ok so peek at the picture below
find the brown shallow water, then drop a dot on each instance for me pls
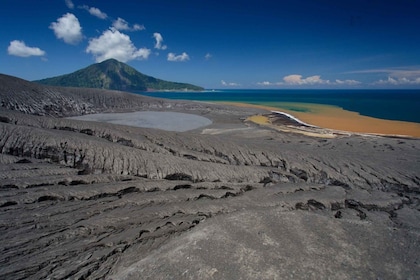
(333, 117)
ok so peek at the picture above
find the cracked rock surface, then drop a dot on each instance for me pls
(87, 200)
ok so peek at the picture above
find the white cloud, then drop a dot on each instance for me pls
(395, 76)
(398, 81)
(267, 83)
(19, 48)
(230, 84)
(94, 12)
(69, 4)
(159, 39)
(137, 27)
(121, 24)
(347, 82)
(68, 29)
(298, 80)
(389, 81)
(208, 56)
(182, 57)
(114, 44)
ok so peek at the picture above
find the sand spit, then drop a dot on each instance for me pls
(340, 120)
(293, 118)
(169, 121)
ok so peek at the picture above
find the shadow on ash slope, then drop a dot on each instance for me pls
(85, 200)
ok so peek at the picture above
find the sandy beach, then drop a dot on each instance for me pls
(332, 117)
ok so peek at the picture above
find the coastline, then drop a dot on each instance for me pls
(130, 201)
(336, 118)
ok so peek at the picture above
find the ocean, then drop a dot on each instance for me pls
(402, 105)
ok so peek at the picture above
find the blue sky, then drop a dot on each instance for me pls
(220, 44)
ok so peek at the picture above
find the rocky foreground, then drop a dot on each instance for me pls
(88, 200)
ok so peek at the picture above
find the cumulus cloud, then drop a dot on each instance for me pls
(68, 29)
(159, 39)
(121, 24)
(182, 57)
(299, 80)
(230, 84)
(94, 12)
(19, 48)
(114, 44)
(208, 56)
(69, 4)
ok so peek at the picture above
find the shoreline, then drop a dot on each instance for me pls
(293, 118)
(336, 118)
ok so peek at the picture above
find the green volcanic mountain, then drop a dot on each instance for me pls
(112, 74)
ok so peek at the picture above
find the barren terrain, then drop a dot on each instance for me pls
(230, 200)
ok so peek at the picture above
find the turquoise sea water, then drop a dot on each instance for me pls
(403, 105)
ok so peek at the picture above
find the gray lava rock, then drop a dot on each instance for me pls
(85, 200)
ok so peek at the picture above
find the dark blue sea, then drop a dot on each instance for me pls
(403, 105)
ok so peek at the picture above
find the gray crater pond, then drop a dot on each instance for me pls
(169, 121)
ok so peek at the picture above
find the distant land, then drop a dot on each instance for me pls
(115, 75)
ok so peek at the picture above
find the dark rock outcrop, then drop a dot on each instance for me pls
(36, 99)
